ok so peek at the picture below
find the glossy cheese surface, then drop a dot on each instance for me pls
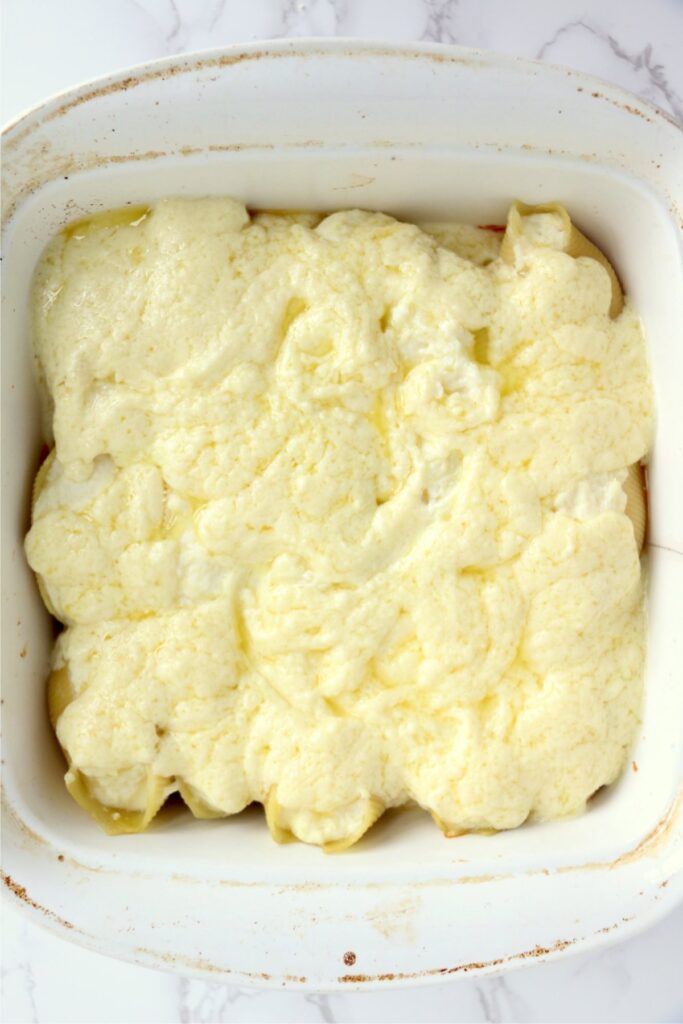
(335, 517)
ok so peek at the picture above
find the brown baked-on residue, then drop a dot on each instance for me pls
(21, 894)
(477, 965)
(349, 958)
(653, 840)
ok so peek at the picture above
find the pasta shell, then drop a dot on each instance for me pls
(118, 821)
(373, 810)
(38, 485)
(113, 820)
(636, 502)
(576, 244)
(199, 807)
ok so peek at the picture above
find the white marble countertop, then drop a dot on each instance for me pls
(49, 45)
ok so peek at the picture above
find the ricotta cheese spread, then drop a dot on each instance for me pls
(334, 517)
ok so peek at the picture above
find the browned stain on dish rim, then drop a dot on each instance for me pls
(69, 165)
(475, 965)
(200, 964)
(21, 894)
(191, 65)
(479, 965)
(647, 846)
(197, 64)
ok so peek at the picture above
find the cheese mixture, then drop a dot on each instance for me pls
(335, 517)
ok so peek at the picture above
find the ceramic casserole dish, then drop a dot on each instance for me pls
(425, 133)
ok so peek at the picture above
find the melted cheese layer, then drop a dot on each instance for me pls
(335, 518)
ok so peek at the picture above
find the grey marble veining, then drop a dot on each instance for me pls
(656, 86)
(632, 43)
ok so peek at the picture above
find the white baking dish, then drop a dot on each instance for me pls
(427, 132)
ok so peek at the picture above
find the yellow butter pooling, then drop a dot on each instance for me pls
(336, 517)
